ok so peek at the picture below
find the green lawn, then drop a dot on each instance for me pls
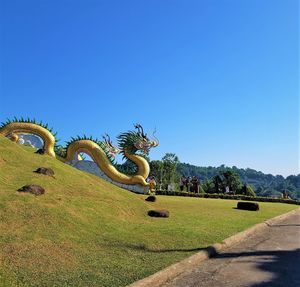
(87, 232)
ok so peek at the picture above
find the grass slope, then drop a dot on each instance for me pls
(87, 232)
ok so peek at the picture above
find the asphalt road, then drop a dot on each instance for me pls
(269, 258)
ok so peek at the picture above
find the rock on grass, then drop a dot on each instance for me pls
(245, 205)
(32, 188)
(45, 171)
(40, 151)
(158, 213)
(151, 198)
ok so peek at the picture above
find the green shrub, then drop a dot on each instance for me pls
(250, 191)
(201, 190)
(227, 196)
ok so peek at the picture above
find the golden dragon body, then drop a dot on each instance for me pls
(100, 152)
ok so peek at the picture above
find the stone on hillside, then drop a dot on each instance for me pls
(32, 188)
(151, 198)
(158, 213)
(40, 151)
(245, 205)
(45, 171)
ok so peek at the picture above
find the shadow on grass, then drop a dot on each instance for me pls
(243, 209)
(142, 247)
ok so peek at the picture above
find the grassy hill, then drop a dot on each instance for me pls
(86, 232)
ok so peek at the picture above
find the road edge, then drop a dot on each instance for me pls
(161, 277)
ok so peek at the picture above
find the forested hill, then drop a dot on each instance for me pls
(263, 184)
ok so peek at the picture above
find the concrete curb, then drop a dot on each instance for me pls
(172, 271)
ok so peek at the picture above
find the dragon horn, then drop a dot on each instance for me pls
(140, 130)
(108, 137)
(138, 127)
(143, 134)
(155, 139)
(109, 140)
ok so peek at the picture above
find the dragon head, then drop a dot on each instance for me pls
(132, 141)
(110, 148)
(144, 143)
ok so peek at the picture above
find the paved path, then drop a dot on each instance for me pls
(270, 258)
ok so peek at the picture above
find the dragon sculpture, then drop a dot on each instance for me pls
(102, 152)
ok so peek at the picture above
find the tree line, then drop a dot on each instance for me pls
(220, 179)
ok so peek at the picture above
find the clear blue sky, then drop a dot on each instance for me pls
(218, 79)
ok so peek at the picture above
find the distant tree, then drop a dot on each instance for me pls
(232, 180)
(246, 190)
(250, 191)
(156, 169)
(201, 190)
(208, 186)
(294, 180)
(169, 162)
(226, 178)
(262, 184)
(60, 150)
(217, 181)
